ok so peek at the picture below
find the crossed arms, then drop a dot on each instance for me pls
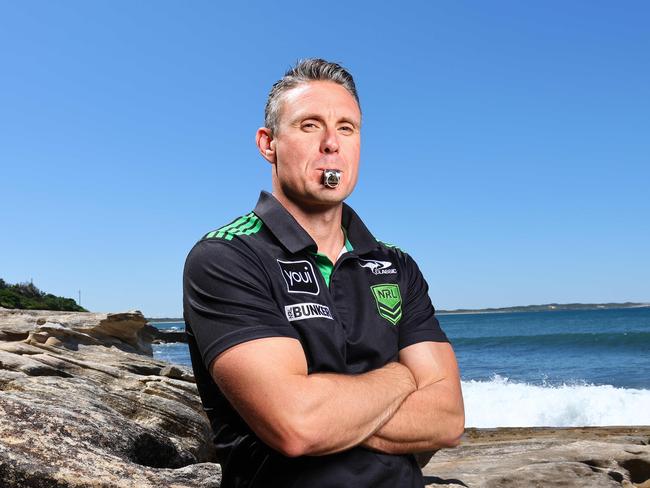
(414, 405)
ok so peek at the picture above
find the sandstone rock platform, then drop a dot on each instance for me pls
(589, 457)
(83, 404)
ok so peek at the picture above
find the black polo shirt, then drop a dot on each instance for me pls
(261, 276)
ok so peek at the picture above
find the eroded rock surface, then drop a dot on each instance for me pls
(591, 457)
(83, 404)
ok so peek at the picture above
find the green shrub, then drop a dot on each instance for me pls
(28, 297)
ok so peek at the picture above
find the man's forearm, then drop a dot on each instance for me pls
(297, 413)
(340, 411)
(429, 419)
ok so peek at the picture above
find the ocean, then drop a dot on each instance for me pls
(533, 369)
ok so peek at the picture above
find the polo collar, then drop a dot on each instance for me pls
(294, 238)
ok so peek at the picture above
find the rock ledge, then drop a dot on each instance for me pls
(83, 404)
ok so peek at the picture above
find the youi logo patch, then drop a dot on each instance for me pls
(299, 277)
(378, 267)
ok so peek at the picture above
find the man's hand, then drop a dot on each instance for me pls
(431, 417)
(266, 381)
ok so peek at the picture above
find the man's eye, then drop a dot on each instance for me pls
(346, 129)
(309, 125)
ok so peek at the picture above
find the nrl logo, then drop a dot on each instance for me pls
(378, 267)
(389, 301)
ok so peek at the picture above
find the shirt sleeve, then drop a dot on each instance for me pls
(227, 299)
(418, 323)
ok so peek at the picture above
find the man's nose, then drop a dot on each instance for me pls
(330, 142)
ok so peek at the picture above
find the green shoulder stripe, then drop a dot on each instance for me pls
(391, 246)
(246, 225)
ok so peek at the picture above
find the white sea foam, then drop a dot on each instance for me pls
(502, 403)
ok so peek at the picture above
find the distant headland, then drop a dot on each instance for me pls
(548, 307)
(27, 296)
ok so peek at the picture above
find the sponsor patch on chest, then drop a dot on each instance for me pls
(299, 277)
(301, 311)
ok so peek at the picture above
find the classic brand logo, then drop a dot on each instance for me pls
(389, 301)
(299, 277)
(378, 267)
(301, 311)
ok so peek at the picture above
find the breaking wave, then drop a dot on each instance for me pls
(503, 403)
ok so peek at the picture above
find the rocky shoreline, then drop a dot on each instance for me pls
(84, 404)
(589, 457)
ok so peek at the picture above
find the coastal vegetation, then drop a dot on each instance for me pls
(28, 297)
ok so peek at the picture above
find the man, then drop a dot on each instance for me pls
(315, 348)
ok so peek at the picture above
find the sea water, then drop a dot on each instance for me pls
(555, 368)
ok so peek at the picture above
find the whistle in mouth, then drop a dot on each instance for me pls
(331, 178)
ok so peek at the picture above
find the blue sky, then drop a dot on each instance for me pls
(506, 145)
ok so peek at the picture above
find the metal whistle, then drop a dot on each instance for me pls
(331, 178)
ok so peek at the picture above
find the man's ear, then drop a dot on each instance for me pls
(265, 144)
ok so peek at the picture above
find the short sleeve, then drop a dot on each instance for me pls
(418, 322)
(227, 299)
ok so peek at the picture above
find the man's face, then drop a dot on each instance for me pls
(318, 129)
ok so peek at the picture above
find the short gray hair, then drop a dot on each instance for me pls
(305, 70)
